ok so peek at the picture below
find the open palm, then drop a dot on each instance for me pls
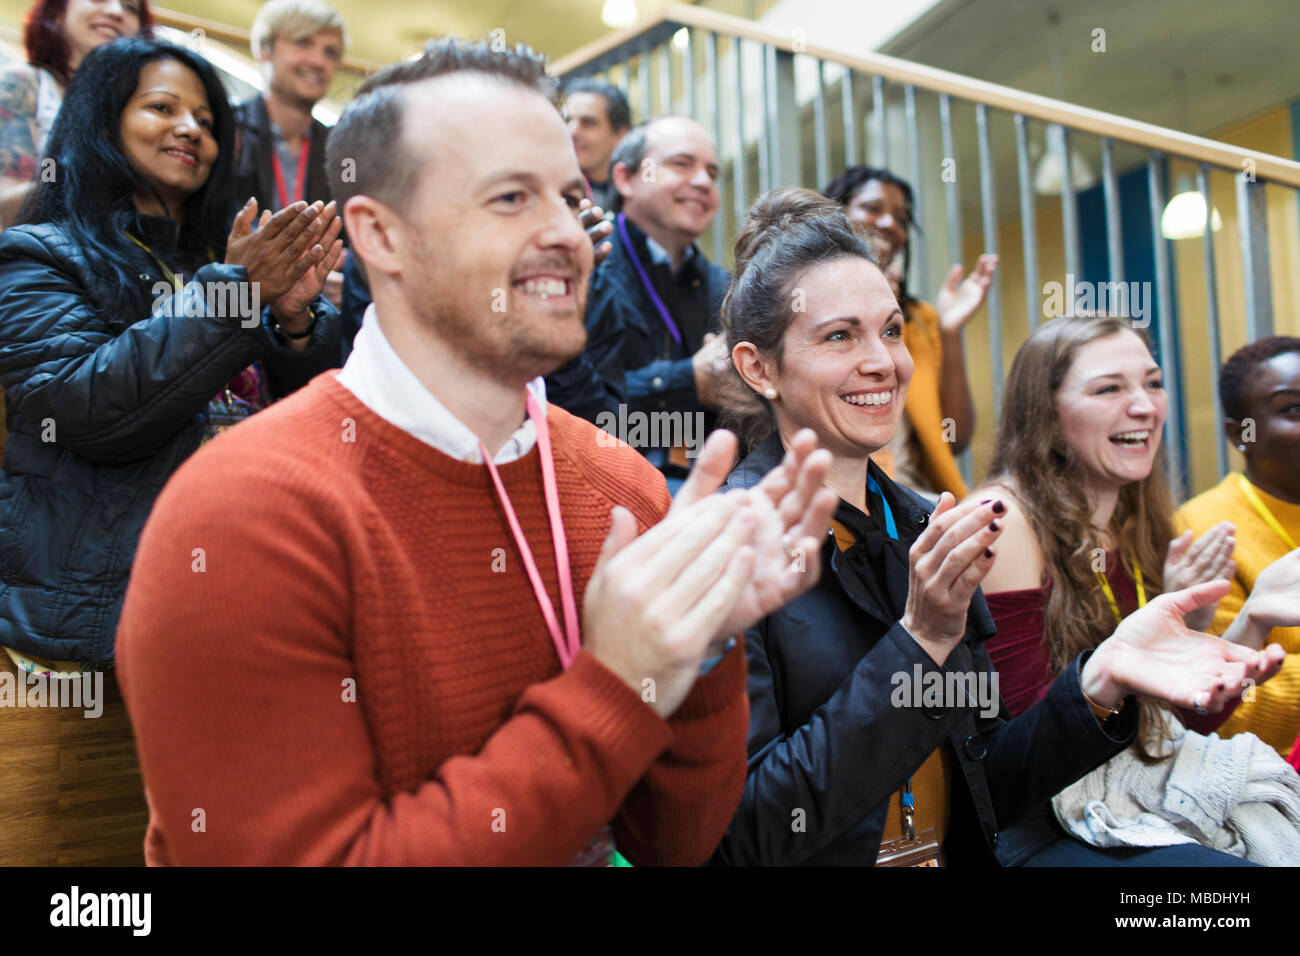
(1153, 652)
(960, 299)
(793, 512)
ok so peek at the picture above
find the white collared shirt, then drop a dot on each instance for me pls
(376, 375)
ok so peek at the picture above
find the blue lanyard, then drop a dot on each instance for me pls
(645, 281)
(891, 528)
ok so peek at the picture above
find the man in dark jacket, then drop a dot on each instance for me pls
(655, 301)
(281, 147)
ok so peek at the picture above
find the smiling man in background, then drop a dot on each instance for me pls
(281, 147)
(657, 297)
(598, 118)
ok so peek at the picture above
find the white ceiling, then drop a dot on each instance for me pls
(1238, 57)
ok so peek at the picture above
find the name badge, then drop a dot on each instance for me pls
(923, 850)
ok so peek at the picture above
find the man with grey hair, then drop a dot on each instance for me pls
(280, 157)
(653, 314)
(440, 621)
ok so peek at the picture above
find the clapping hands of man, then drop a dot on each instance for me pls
(660, 604)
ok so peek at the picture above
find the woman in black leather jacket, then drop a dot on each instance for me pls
(135, 321)
(874, 708)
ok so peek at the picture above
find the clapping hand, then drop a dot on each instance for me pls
(1193, 560)
(947, 563)
(280, 250)
(1274, 601)
(958, 300)
(1154, 652)
(591, 218)
(792, 513)
(658, 605)
(291, 308)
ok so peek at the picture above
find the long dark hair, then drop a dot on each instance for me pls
(847, 185)
(43, 34)
(788, 232)
(91, 192)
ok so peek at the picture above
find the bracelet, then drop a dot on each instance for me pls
(1103, 714)
(297, 336)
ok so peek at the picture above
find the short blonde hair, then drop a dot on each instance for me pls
(293, 19)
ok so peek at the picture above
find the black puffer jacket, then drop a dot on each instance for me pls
(101, 410)
(825, 736)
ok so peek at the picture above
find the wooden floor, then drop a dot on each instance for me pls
(70, 789)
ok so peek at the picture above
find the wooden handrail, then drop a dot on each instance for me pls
(239, 38)
(1146, 135)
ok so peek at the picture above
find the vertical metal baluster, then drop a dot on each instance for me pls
(786, 167)
(1028, 223)
(879, 148)
(914, 151)
(714, 86)
(951, 190)
(850, 120)
(1114, 227)
(1212, 320)
(741, 198)
(1165, 318)
(765, 147)
(988, 202)
(643, 81)
(1252, 222)
(952, 202)
(666, 78)
(769, 121)
(1069, 208)
(688, 80)
(821, 161)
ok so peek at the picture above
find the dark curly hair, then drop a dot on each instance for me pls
(847, 184)
(1237, 370)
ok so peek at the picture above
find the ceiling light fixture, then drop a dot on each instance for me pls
(1184, 216)
(617, 14)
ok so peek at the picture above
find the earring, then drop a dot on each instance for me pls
(770, 393)
(1241, 448)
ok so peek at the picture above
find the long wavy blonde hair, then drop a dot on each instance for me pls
(1034, 459)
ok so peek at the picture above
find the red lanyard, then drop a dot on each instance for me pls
(568, 642)
(301, 176)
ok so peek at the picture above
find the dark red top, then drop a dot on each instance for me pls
(1020, 653)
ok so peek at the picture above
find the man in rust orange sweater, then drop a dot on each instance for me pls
(416, 615)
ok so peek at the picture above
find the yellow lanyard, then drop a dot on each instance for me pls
(171, 276)
(1249, 490)
(1110, 595)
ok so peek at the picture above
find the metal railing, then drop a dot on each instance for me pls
(768, 101)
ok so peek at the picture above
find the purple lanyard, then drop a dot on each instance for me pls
(645, 281)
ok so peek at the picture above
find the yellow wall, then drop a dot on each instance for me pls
(1270, 133)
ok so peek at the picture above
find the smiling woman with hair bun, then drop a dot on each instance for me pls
(877, 735)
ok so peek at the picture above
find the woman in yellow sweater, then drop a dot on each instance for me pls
(1260, 389)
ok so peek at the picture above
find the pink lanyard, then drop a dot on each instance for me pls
(299, 177)
(568, 642)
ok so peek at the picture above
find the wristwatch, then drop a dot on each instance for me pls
(296, 336)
